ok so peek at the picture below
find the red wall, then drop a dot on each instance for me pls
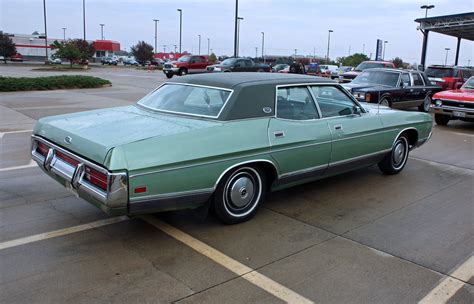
(106, 45)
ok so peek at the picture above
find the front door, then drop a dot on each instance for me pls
(357, 136)
(300, 141)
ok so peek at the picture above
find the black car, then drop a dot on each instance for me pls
(239, 65)
(393, 88)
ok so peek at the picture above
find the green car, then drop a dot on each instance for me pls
(223, 140)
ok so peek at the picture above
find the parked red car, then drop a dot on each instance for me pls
(448, 77)
(186, 65)
(17, 57)
(455, 104)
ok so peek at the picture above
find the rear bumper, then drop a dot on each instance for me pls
(113, 201)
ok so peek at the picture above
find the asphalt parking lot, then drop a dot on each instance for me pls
(361, 237)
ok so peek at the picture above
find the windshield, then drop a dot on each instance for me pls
(187, 99)
(229, 61)
(469, 84)
(369, 65)
(184, 59)
(439, 72)
(377, 77)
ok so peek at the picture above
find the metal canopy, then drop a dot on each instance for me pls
(459, 25)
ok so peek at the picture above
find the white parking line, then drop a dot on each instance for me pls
(61, 232)
(13, 132)
(449, 285)
(247, 273)
(31, 164)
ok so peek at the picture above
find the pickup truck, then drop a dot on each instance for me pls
(239, 65)
(186, 65)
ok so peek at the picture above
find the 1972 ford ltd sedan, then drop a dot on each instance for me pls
(225, 139)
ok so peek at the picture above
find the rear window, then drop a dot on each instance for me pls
(187, 99)
(439, 72)
(369, 65)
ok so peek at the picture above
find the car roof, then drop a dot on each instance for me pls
(393, 70)
(231, 80)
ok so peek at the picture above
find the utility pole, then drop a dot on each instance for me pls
(263, 45)
(236, 51)
(180, 27)
(295, 52)
(164, 48)
(314, 52)
(175, 48)
(349, 50)
(102, 31)
(208, 46)
(329, 41)
(256, 52)
(64, 33)
(199, 49)
(84, 17)
(238, 34)
(45, 32)
(156, 34)
(384, 47)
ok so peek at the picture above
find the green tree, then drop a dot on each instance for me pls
(7, 47)
(398, 62)
(142, 52)
(74, 50)
(352, 60)
(212, 57)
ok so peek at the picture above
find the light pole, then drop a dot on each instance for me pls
(384, 47)
(199, 48)
(102, 31)
(263, 45)
(84, 17)
(446, 59)
(180, 27)
(208, 46)
(296, 50)
(45, 32)
(164, 48)
(329, 41)
(236, 41)
(175, 48)
(156, 34)
(256, 52)
(238, 35)
(426, 8)
(349, 50)
(64, 33)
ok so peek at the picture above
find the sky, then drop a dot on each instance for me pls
(288, 25)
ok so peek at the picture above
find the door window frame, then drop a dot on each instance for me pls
(313, 98)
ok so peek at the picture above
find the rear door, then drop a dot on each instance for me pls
(357, 137)
(419, 89)
(300, 141)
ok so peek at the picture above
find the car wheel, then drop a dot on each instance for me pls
(182, 72)
(260, 70)
(425, 106)
(385, 102)
(169, 75)
(441, 119)
(239, 194)
(395, 161)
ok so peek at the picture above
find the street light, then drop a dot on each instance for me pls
(329, 41)
(199, 49)
(180, 27)
(175, 48)
(446, 59)
(156, 34)
(256, 52)
(236, 29)
(263, 45)
(426, 8)
(238, 35)
(102, 31)
(64, 33)
(84, 17)
(45, 32)
(208, 46)
(384, 47)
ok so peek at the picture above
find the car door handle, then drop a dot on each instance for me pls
(279, 134)
(337, 127)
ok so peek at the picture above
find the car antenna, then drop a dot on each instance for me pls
(378, 104)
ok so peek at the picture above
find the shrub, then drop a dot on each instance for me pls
(9, 84)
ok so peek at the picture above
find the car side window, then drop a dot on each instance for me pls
(239, 63)
(405, 80)
(248, 63)
(196, 60)
(417, 79)
(333, 102)
(295, 103)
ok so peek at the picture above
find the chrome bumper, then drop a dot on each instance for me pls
(172, 70)
(72, 177)
(448, 110)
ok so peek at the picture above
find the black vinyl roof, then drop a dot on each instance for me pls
(458, 25)
(230, 80)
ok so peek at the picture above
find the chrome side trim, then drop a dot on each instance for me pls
(302, 171)
(349, 160)
(364, 135)
(171, 195)
(399, 133)
(189, 114)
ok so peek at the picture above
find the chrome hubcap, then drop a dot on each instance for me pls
(427, 103)
(398, 153)
(242, 192)
(384, 103)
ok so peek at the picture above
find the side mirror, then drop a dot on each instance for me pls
(357, 110)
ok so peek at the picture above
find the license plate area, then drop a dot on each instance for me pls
(459, 114)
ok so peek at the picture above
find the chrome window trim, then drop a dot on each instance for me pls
(189, 114)
(299, 86)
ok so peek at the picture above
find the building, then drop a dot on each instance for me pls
(33, 47)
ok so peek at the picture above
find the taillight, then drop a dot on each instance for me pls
(42, 149)
(367, 97)
(67, 159)
(96, 178)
